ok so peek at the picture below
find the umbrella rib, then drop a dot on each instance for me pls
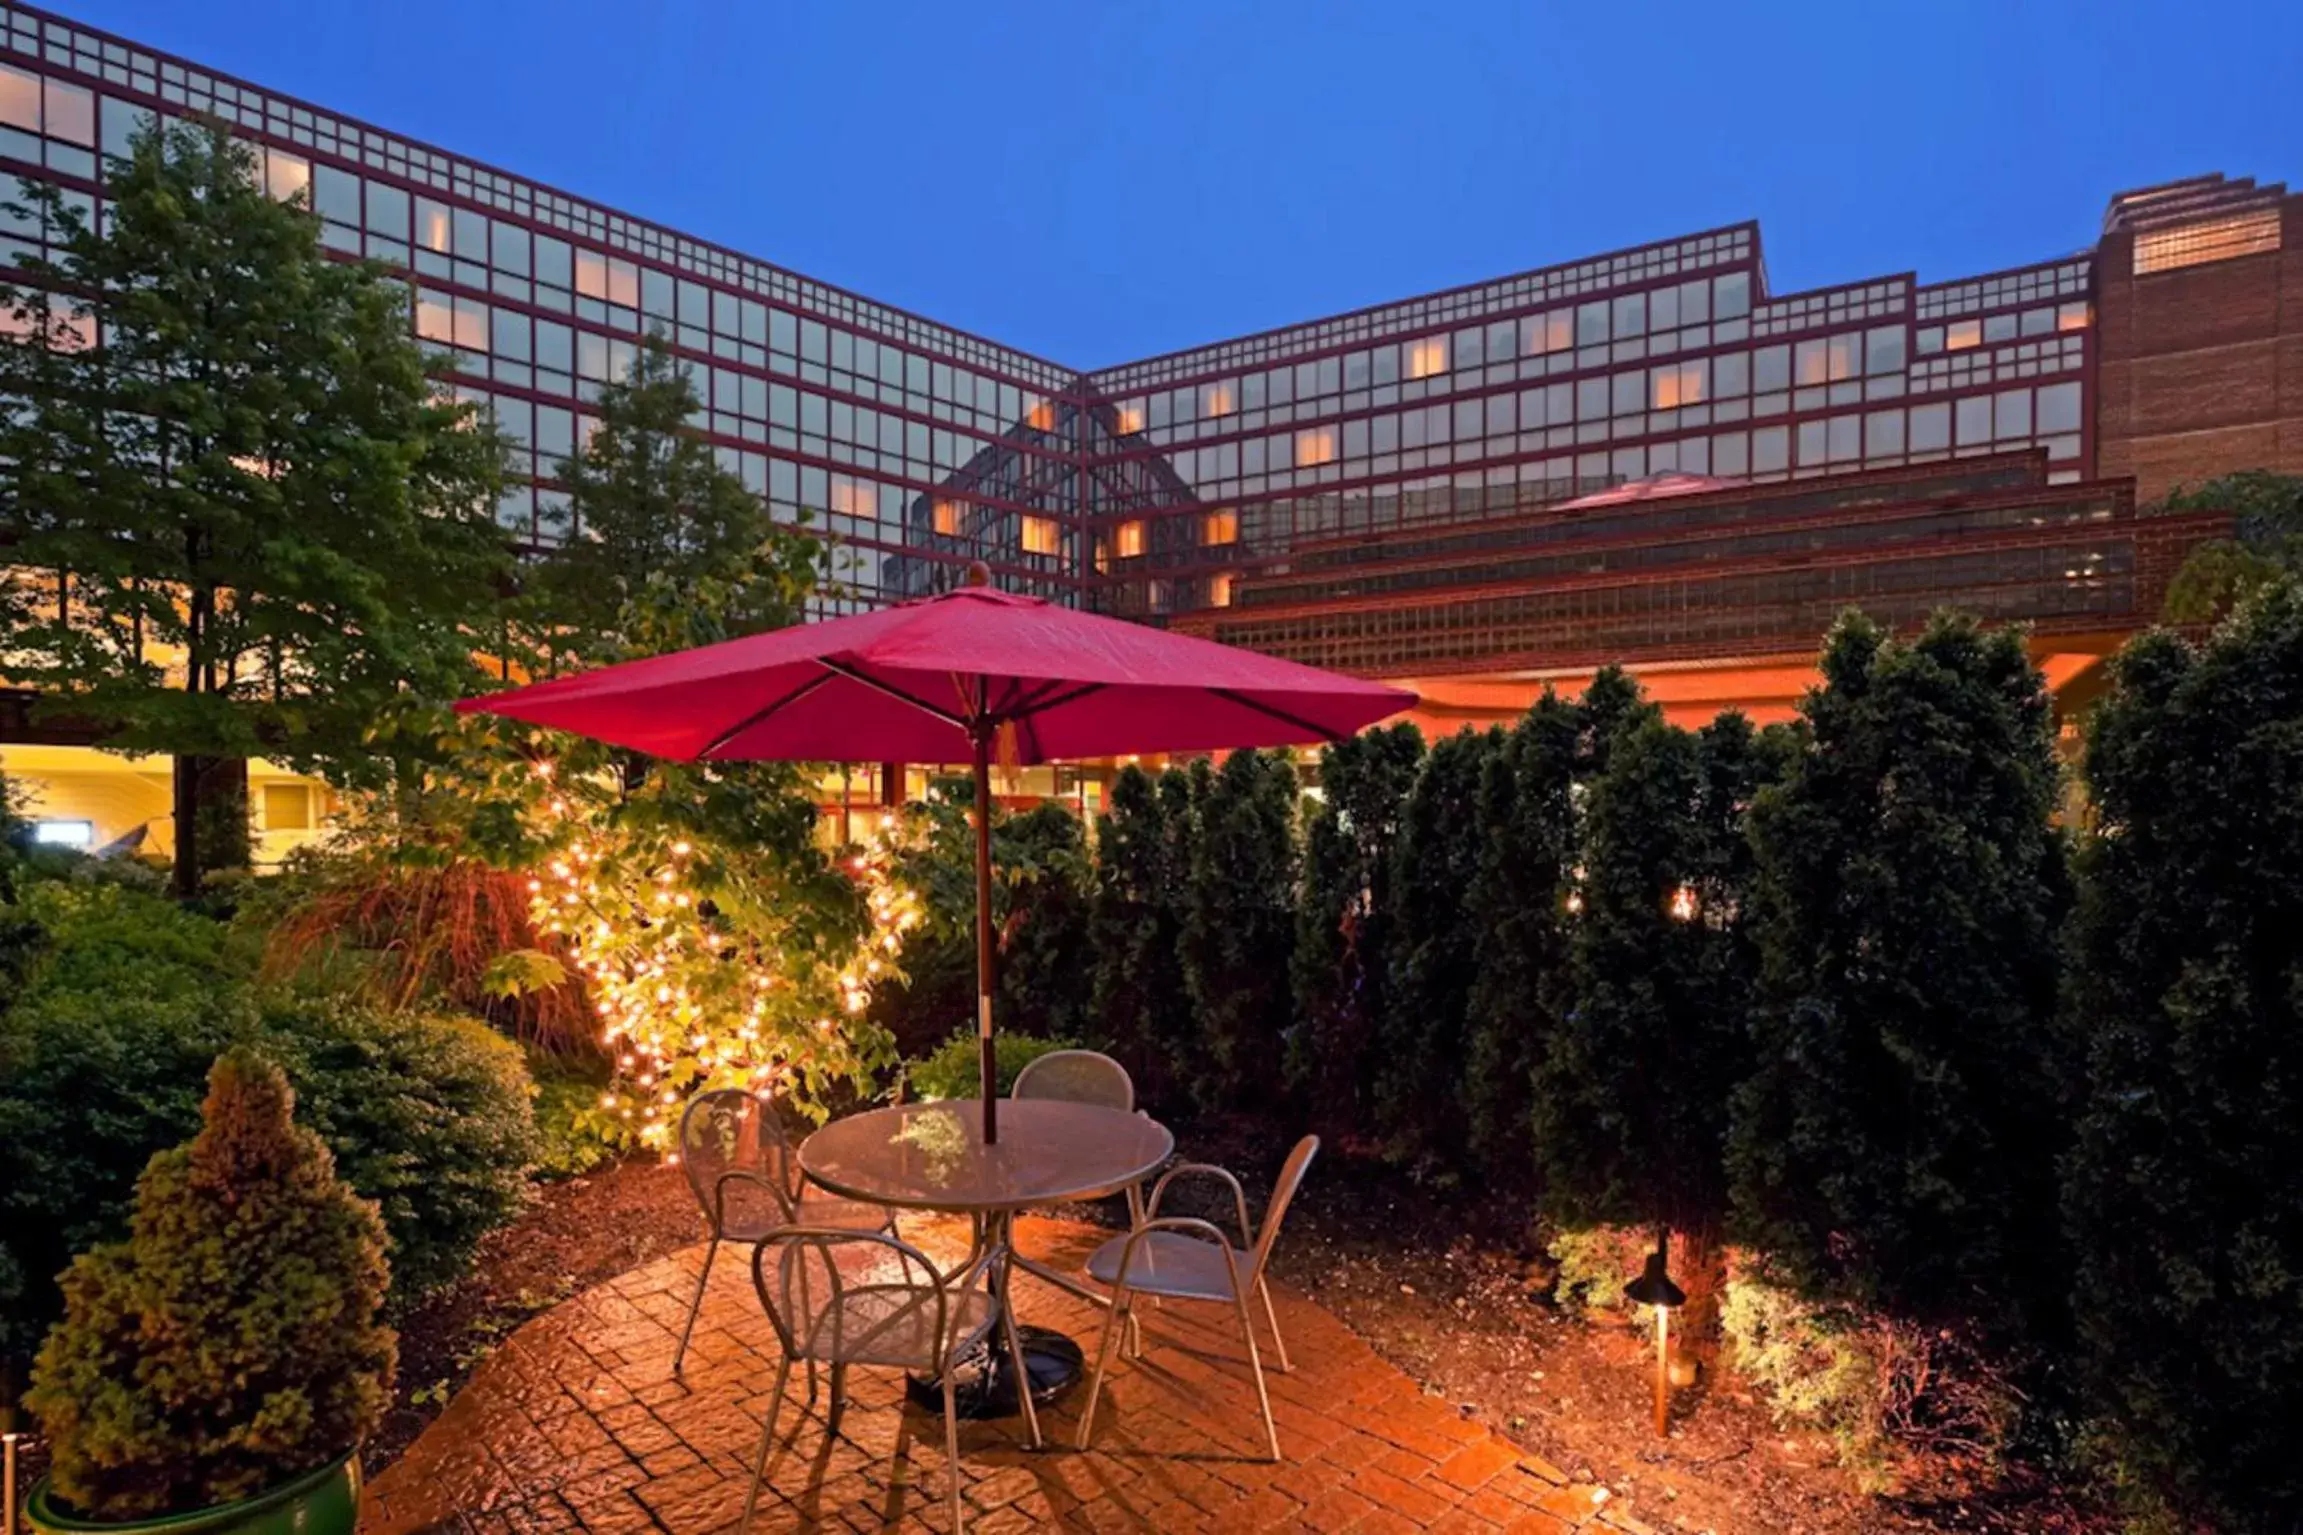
(1038, 702)
(759, 714)
(865, 679)
(1281, 715)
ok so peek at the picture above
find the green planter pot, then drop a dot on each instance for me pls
(325, 1503)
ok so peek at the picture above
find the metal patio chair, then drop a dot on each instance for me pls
(745, 1175)
(889, 1307)
(1083, 1076)
(1184, 1258)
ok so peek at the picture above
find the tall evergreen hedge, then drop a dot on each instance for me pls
(1632, 1085)
(1342, 973)
(1138, 1006)
(2184, 1194)
(1238, 929)
(1516, 909)
(1421, 1036)
(1896, 1142)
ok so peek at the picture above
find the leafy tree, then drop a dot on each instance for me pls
(651, 510)
(1896, 1142)
(1138, 1008)
(232, 1342)
(2266, 542)
(716, 942)
(1632, 1085)
(1434, 965)
(1239, 926)
(260, 525)
(1040, 921)
(1342, 959)
(2181, 1197)
(1516, 910)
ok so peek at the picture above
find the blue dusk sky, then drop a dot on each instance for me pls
(1098, 182)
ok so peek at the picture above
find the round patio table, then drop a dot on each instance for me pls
(932, 1156)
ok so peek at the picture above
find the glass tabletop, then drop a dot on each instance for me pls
(932, 1156)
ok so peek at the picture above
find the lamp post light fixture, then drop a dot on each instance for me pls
(1654, 1288)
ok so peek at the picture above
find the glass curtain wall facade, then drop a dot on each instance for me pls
(533, 299)
(1671, 358)
(1153, 488)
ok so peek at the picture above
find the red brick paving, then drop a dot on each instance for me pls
(577, 1424)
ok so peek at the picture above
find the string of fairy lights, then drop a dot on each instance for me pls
(643, 944)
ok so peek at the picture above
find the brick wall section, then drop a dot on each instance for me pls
(2200, 369)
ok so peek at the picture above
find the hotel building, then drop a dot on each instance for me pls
(1475, 491)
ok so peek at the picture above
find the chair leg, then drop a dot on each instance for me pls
(1255, 1363)
(696, 1306)
(1135, 1331)
(767, 1438)
(1015, 1344)
(1122, 1301)
(1272, 1317)
(839, 1398)
(952, 1449)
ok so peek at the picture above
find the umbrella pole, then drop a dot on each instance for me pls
(990, 1075)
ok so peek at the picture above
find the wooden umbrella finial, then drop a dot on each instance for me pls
(978, 574)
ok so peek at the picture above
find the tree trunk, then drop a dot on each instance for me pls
(211, 811)
(185, 798)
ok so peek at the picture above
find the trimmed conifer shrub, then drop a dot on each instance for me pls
(1517, 911)
(1896, 1141)
(1137, 1006)
(1343, 929)
(1239, 927)
(2182, 1194)
(1632, 1087)
(231, 1343)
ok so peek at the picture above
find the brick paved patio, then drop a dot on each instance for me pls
(577, 1423)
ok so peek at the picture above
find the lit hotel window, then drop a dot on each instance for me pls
(854, 498)
(1041, 417)
(1128, 540)
(1216, 399)
(1675, 387)
(285, 174)
(1963, 334)
(1219, 589)
(2240, 234)
(432, 226)
(2073, 316)
(64, 833)
(288, 807)
(1128, 419)
(947, 517)
(1426, 357)
(1542, 333)
(605, 277)
(1039, 535)
(1220, 527)
(1314, 445)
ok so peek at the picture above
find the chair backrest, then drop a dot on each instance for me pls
(1282, 1195)
(730, 1130)
(871, 1310)
(1076, 1076)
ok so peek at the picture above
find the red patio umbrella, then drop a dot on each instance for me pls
(972, 673)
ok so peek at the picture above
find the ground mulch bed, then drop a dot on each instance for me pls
(1452, 1294)
(578, 1233)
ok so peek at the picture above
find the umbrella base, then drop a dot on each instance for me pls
(984, 1384)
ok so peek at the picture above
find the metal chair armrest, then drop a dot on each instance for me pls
(1206, 1170)
(758, 1180)
(1189, 1224)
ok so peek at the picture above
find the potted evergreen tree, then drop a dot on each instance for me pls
(215, 1373)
